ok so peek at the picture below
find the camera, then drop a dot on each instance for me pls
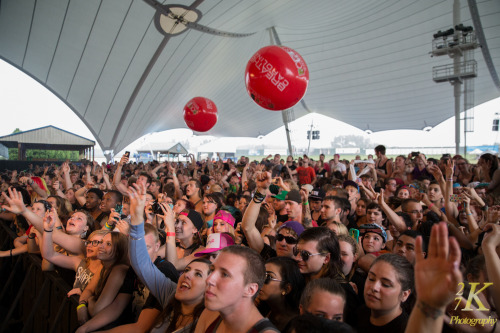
(156, 208)
(415, 153)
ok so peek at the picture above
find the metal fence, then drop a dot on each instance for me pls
(32, 300)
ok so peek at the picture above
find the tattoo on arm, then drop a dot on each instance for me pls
(429, 311)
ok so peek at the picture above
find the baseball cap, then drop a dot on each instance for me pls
(224, 216)
(294, 195)
(215, 242)
(375, 228)
(350, 183)
(195, 218)
(280, 196)
(317, 194)
(294, 225)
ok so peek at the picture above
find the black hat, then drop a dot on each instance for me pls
(317, 194)
(195, 218)
(294, 195)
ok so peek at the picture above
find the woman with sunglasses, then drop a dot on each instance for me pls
(107, 297)
(281, 290)
(182, 304)
(389, 284)
(85, 268)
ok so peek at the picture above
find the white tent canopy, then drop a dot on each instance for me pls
(369, 60)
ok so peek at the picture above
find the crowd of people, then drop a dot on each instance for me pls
(277, 245)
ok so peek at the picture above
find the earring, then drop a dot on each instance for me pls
(283, 293)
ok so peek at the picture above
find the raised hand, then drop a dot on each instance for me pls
(168, 217)
(49, 219)
(448, 169)
(438, 276)
(263, 180)
(14, 201)
(137, 195)
(123, 160)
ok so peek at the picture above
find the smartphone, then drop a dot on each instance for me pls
(454, 198)
(118, 209)
(127, 153)
(354, 233)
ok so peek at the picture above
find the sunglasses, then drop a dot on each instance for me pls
(288, 239)
(305, 255)
(269, 278)
(94, 242)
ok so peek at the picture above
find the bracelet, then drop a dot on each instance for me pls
(305, 203)
(59, 227)
(107, 226)
(83, 305)
(469, 214)
(258, 197)
(29, 236)
(449, 179)
(170, 234)
(47, 230)
(430, 206)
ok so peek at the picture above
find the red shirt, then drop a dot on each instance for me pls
(306, 175)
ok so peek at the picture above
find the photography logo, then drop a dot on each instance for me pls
(479, 306)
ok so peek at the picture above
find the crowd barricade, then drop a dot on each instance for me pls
(32, 300)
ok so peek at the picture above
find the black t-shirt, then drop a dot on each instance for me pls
(397, 325)
(268, 252)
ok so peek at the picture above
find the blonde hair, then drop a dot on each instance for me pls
(340, 228)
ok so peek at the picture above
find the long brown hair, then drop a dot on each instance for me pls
(173, 310)
(120, 257)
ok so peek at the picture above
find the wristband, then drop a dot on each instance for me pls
(47, 230)
(59, 227)
(305, 203)
(170, 234)
(431, 205)
(83, 305)
(107, 226)
(29, 236)
(258, 197)
(450, 179)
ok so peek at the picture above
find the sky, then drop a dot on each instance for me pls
(25, 104)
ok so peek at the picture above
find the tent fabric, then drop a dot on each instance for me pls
(369, 61)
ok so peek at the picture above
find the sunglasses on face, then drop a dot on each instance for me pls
(288, 239)
(269, 278)
(305, 255)
(94, 242)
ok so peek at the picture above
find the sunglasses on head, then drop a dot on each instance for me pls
(288, 239)
(269, 278)
(45, 204)
(305, 255)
